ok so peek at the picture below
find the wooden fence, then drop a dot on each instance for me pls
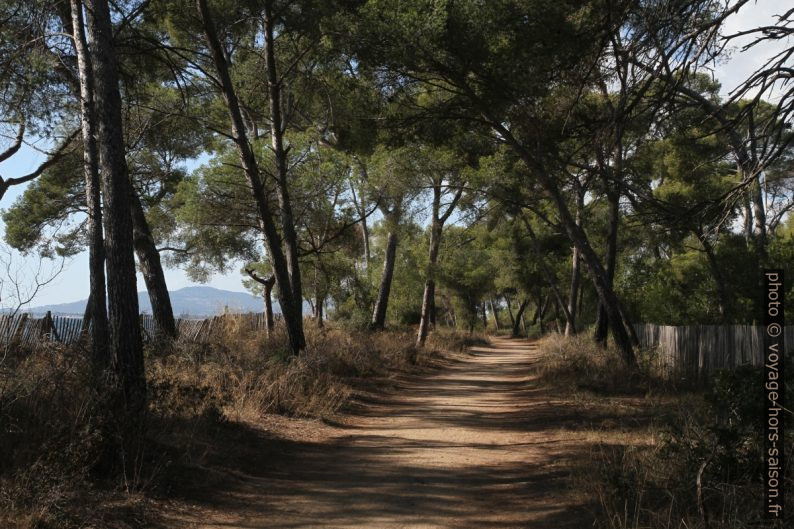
(24, 329)
(696, 350)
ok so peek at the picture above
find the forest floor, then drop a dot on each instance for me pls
(474, 441)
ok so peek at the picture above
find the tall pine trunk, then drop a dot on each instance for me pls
(291, 306)
(277, 130)
(437, 221)
(123, 318)
(96, 310)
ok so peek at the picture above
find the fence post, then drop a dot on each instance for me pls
(47, 327)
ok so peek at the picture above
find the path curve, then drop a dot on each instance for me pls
(475, 444)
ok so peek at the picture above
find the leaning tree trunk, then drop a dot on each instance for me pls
(277, 130)
(430, 284)
(519, 317)
(267, 291)
(125, 331)
(602, 320)
(509, 310)
(540, 313)
(723, 292)
(759, 218)
(360, 211)
(579, 238)
(747, 228)
(495, 314)
(427, 301)
(152, 271)
(290, 304)
(436, 228)
(96, 310)
(557, 315)
(381, 304)
(319, 301)
(570, 322)
(270, 323)
(548, 275)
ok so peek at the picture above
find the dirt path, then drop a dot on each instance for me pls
(474, 444)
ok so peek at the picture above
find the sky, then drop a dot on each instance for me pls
(71, 284)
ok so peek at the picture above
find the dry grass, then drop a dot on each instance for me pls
(53, 427)
(576, 363)
(53, 432)
(243, 375)
(642, 472)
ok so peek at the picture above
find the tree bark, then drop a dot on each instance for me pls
(123, 318)
(427, 296)
(270, 324)
(152, 271)
(96, 309)
(540, 314)
(495, 314)
(519, 315)
(570, 323)
(557, 315)
(277, 129)
(379, 314)
(759, 218)
(290, 304)
(723, 296)
(602, 320)
(267, 291)
(361, 211)
(509, 310)
(436, 226)
(430, 284)
(748, 218)
(318, 303)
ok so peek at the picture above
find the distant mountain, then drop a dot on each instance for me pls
(188, 301)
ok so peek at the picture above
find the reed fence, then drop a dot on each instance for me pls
(691, 350)
(24, 329)
(696, 350)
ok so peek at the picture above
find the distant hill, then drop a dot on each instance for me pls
(188, 301)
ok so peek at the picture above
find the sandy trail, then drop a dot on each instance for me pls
(474, 444)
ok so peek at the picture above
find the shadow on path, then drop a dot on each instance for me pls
(476, 443)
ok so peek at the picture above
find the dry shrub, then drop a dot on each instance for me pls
(578, 363)
(241, 374)
(445, 339)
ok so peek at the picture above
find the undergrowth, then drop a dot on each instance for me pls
(697, 464)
